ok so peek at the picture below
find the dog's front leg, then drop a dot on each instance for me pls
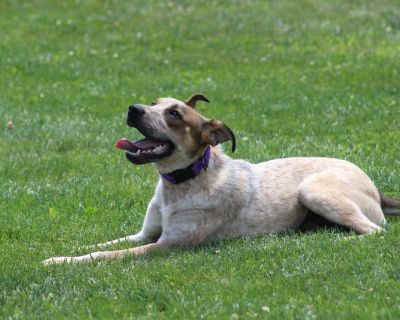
(151, 228)
(182, 229)
(190, 228)
(105, 255)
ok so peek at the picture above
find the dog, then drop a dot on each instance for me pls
(204, 195)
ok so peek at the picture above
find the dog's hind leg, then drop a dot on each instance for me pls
(151, 229)
(334, 198)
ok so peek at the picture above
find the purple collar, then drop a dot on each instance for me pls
(190, 172)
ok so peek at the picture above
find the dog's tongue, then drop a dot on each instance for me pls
(124, 144)
(128, 145)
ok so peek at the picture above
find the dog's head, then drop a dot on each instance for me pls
(175, 133)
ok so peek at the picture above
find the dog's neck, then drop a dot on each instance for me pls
(189, 172)
(178, 160)
(217, 160)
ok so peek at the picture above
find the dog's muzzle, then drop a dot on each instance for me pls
(150, 149)
(135, 113)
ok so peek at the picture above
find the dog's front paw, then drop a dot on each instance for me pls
(90, 246)
(57, 260)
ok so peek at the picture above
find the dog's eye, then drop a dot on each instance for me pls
(174, 114)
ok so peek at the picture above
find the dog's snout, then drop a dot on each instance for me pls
(134, 113)
(136, 109)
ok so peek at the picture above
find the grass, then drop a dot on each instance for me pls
(290, 78)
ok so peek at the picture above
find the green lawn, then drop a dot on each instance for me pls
(290, 78)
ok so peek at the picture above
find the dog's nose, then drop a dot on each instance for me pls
(135, 113)
(136, 110)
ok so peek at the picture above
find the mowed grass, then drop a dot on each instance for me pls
(291, 78)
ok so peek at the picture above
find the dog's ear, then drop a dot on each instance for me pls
(194, 98)
(215, 132)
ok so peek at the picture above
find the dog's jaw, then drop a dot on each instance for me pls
(145, 150)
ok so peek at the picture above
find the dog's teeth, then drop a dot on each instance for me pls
(149, 150)
(158, 148)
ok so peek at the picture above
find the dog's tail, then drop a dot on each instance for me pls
(390, 206)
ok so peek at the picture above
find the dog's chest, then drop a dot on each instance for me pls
(175, 202)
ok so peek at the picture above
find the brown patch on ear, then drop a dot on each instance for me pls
(215, 132)
(191, 102)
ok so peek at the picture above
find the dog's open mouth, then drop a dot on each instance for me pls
(145, 150)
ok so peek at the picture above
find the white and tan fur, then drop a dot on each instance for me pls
(235, 197)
